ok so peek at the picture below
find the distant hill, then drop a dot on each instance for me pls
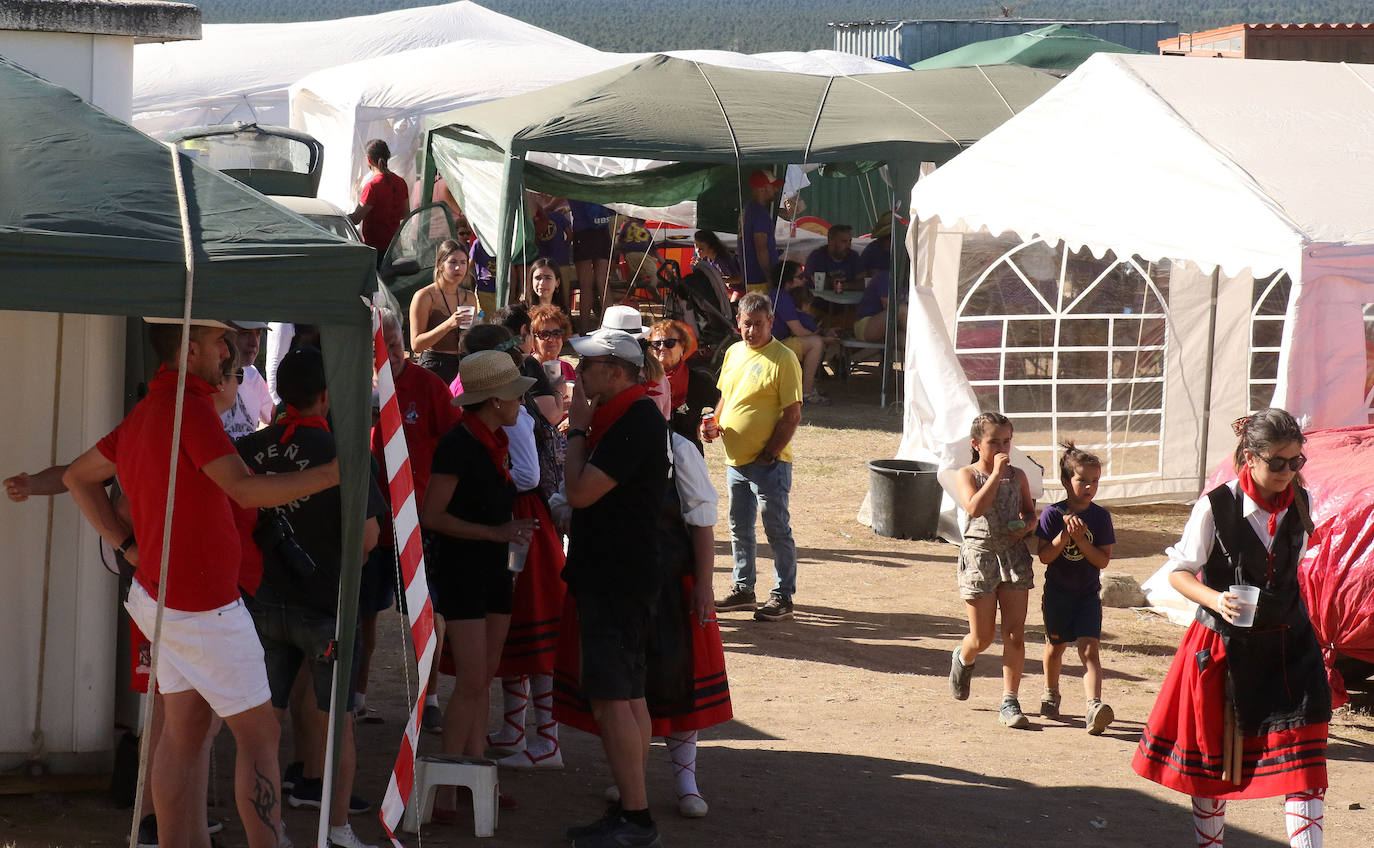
(756, 26)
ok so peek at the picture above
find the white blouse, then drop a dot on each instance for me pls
(1190, 553)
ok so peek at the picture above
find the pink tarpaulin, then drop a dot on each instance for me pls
(1337, 574)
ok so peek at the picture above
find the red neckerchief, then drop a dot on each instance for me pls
(166, 378)
(677, 381)
(1281, 501)
(608, 413)
(497, 444)
(291, 418)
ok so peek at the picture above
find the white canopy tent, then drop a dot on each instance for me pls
(241, 72)
(1154, 248)
(388, 97)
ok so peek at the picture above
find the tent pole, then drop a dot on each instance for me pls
(512, 173)
(427, 171)
(1207, 380)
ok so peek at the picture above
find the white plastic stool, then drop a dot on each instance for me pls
(476, 773)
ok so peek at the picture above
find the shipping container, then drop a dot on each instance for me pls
(912, 41)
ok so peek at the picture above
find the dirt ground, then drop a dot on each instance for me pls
(844, 730)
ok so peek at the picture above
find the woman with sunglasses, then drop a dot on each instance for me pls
(441, 312)
(672, 343)
(550, 327)
(1243, 711)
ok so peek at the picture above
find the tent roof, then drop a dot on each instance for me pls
(1231, 162)
(244, 60)
(89, 223)
(667, 108)
(1056, 46)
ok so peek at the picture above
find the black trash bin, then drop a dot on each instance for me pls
(905, 498)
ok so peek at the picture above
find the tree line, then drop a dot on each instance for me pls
(756, 26)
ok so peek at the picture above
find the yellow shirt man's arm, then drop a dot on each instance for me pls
(783, 432)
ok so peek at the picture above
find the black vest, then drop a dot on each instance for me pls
(1275, 675)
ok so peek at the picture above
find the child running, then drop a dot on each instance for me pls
(994, 566)
(1077, 546)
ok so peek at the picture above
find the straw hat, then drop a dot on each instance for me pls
(884, 226)
(490, 374)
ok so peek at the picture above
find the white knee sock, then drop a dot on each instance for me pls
(1303, 813)
(514, 699)
(682, 747)
(545, 742)
(1209, 821)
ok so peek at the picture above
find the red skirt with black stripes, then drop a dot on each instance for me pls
(537, 605)
(1181, 746)
(711, 688)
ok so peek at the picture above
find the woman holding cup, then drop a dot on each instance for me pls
(1244, 709)
(441, 312)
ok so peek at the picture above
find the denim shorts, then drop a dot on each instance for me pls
(293, 635)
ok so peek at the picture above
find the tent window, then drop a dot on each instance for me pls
(1068, 346)
(1269, 305)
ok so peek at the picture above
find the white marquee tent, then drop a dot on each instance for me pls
(1152, 249)
(241, 72)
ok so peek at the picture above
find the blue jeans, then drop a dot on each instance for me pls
(750, 486)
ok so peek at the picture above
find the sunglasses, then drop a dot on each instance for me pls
(587, 362)
(238, 375)
(545, 335)
(1277, 463)
(667, 344)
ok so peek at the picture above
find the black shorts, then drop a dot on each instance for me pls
(377, 583)
(1069, 616)
(590, 245)
(471, 588)
(293, 635)
(614, 631)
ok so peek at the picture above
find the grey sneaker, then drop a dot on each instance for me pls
(1049, 705)
(777, 608)
(960, 676)
(740, 598)
(1011, 714)
(621, 833)
(1099, 716)
(606, 822)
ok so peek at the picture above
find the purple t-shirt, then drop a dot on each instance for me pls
(786, 310)
(847, 270)
(483, 266)
(1071, 572)
(551, 235)
(872, 301)
(757, 219)
(876, 257)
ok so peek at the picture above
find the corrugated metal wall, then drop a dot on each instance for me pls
(912, 41)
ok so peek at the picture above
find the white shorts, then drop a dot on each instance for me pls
(215, 652)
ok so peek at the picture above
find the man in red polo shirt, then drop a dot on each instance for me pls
(210, 659)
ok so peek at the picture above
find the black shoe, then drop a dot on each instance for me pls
(308, 791)
(777, 608)
(739, 598)
(147, 831)
(293, 773)
(622, 833)
(608, 818)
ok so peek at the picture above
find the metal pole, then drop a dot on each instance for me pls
(1207, 380)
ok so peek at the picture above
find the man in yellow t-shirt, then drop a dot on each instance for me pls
(760, 407)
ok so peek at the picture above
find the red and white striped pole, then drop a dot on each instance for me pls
(406, 521)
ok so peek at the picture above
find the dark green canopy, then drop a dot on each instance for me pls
(684, 111)
(90, 222)
(1057, 46)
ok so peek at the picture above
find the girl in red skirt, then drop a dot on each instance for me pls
(1243, 711)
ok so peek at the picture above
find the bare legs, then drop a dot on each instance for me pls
(476, 648)
(982, 623)
(625, 731)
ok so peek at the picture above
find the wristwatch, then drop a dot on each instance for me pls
(765, 457)
(126, 544)
(576, 432)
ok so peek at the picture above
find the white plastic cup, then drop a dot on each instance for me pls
(553, 369)
(466, 315)
(1248, 598)
(818, 280)
(518, 551)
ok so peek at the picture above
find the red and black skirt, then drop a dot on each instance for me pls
(1184, 748)
(708, 701)
(537, 605)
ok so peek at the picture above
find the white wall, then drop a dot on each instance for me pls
(80, 656)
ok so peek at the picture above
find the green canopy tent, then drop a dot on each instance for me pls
(90, 222)
(1057, 46)
(703, 117)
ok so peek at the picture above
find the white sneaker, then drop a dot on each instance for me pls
(344, 837)
(692, 806)
(526, 760)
